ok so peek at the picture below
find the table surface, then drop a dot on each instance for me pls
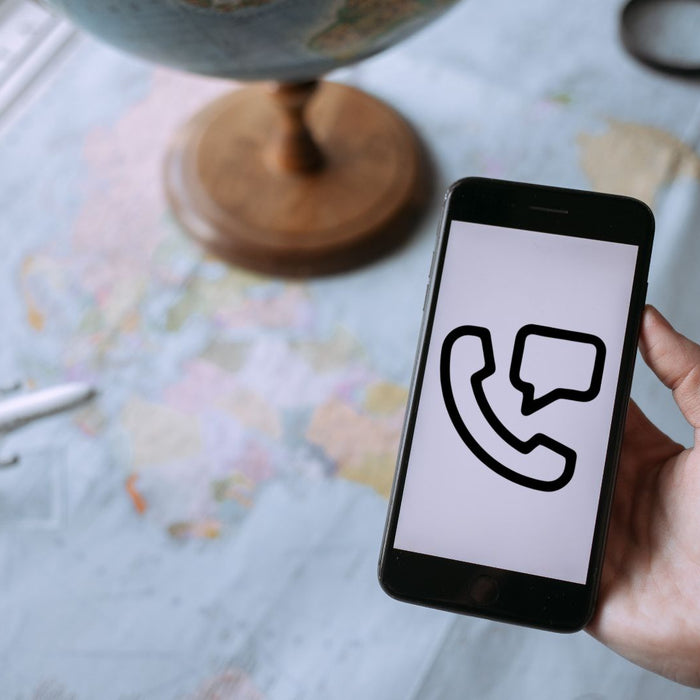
(209, 527)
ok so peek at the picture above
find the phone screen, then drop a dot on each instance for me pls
(516, 401)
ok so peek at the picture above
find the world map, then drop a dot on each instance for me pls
(205, 428)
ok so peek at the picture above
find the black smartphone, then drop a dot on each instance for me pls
(507, 463)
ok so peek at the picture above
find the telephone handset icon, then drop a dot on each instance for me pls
(530, 403)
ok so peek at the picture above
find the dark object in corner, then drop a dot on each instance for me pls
(663, 34)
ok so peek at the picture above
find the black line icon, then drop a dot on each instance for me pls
(529, 403)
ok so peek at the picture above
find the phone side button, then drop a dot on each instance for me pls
(484, 590)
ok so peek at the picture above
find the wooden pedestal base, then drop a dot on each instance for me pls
(248, 182)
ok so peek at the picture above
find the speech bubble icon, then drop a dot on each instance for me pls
(557, 364)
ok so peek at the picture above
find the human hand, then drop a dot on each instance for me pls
(649, 602)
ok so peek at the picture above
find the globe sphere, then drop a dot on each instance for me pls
(284, 40)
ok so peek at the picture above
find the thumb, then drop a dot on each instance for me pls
(675, 360)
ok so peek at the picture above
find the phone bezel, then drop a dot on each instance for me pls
(447, 584)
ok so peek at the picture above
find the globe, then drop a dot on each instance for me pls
(288, 40)
(288, 178)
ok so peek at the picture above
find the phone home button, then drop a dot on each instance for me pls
(484, 590)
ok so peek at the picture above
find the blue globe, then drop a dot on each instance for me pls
(284, 40)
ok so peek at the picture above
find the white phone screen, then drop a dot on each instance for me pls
(548, 312)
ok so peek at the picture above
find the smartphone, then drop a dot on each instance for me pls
(507, 462)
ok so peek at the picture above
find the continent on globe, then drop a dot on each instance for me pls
(359, 22)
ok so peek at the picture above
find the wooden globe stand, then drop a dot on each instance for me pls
(250, 183)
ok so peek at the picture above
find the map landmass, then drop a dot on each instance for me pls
(358, 23)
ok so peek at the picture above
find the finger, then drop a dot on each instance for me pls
(675, 360)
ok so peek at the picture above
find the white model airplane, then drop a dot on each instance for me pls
(19, 410)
